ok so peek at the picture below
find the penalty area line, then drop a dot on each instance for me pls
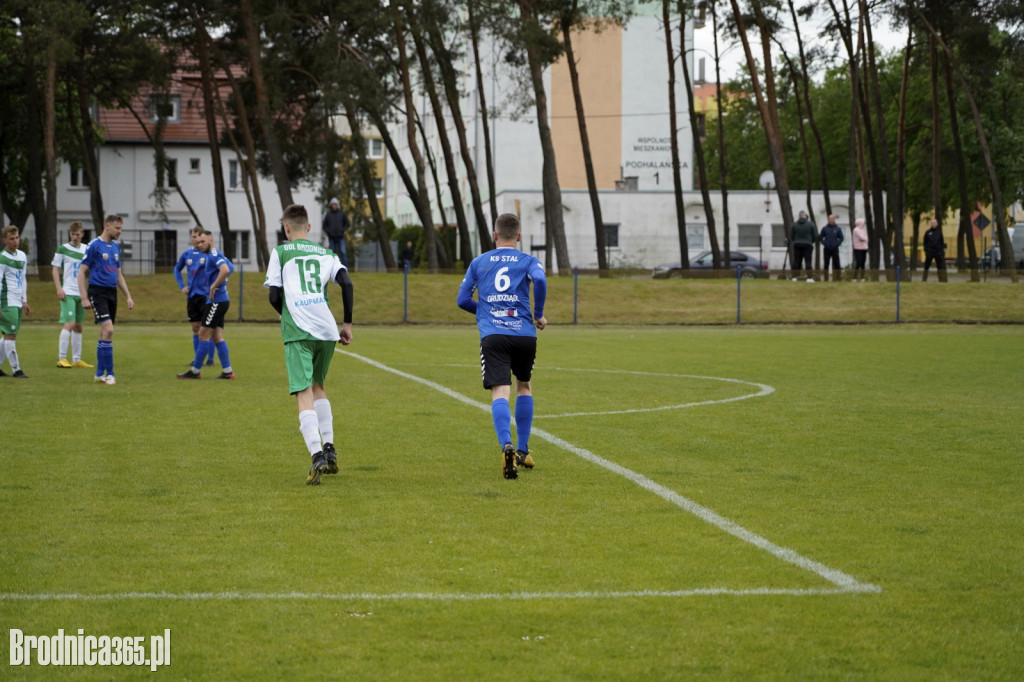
(845, 582)
(429, 596)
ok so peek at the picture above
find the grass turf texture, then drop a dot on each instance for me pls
(887, 453)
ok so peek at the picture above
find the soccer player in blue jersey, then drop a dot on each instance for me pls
(101, 269)
(508, 333)
(193, 262)
(217, 268)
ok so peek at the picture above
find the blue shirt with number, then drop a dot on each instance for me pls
(103, 260)
(502, 280)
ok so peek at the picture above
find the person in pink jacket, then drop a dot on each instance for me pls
(860, 249)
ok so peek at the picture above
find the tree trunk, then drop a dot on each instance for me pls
(966, 233)
(899, 200)
(252, 43)
(90, 158)
(446, 149)
(767, 105)
(936, 134)
(474, 35)
(366, 177)
(812, 122)
(423, 195)
(673, 124)
(444, 258)
(554, 225)
(588, 161)
(722, 166)
(46, 233)
(210, 92)
(449, 80)
(698, 146)
(998, 208)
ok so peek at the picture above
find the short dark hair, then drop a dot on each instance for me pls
(295, 213)
(507, 226)
(113, 218)
(76, 227)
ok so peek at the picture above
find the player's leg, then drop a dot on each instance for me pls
(76, 336)
(523, 357)
(298, 358)
(11, 347)
(496, 368)
(67, 311)
(322, 357)
(220, 344)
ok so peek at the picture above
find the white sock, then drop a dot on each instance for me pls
(325, 419)
(65, 339)
(310, 431)
(12, 355)
(3, 350)
(76, 346)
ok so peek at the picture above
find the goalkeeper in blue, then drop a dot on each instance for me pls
(508, 334)
(297, 277)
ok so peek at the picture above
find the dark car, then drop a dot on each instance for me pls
(749, 266)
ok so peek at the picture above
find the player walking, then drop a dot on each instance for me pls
(66, 261)
(508, 333)
(193, 262)
(297, 277)
(216, 270)
(101, 268)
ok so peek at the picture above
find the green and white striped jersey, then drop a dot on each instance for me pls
(13, 283)
(303, 270)
(68, 258)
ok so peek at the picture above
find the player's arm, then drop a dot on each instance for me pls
(56, 282)
(222, 274)
(83, 277)
(540, 294)
(178, 270)
(345, 282)
(465, 298)
(24, 296)
(123, 286)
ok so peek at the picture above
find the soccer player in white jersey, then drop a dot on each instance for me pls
(66, 261)
(508, 333)
(297, 277)
(13, 298)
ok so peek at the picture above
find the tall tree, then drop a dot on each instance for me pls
(673, 124)
(567, 21)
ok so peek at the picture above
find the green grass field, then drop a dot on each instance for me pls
(856, 515)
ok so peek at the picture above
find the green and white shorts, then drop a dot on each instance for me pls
(10, 319)
(71, 309)
(307, 363)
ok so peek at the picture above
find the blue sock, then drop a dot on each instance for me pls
(502, 421)
(105, 357)
(205, 348)
(222, 354)
(209, 356)
(195, 343)
(524, 421)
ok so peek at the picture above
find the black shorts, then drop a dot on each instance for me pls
(195, 308)
(213, 314)
(104, 303)
(501, 355)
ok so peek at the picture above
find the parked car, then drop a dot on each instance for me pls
(990, 259)
(749, 266)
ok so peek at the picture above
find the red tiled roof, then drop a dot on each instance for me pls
(121, 125)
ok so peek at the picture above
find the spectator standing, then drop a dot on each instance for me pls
(860, 249)
(335, 225)
(831, 238)
(801, 233)
(934, 250)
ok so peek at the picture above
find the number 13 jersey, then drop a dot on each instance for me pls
(302, 270)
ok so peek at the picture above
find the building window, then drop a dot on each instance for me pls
(77, 178)
(233, 181)
(695, 236)
(779, 235)
(169, 176)
(241, 245)
(375, 148)
(749, 237)
(166, 107)
(193, 165)
(611, 235)
(378, 189)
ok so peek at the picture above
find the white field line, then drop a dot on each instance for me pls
(418, 596)
(837, 578)
(844, 583)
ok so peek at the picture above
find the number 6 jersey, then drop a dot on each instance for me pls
(502, 279)
(302, 270)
